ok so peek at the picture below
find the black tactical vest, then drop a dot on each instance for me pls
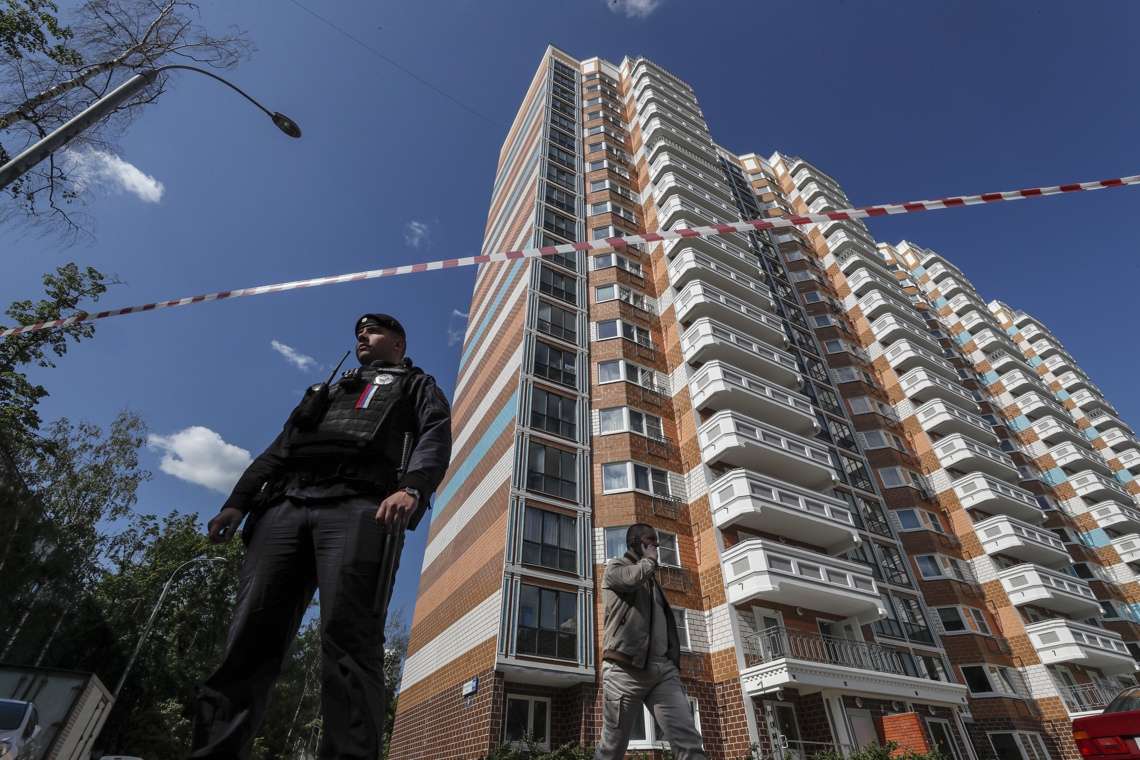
(369, 412)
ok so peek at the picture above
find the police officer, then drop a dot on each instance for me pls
(326, 506)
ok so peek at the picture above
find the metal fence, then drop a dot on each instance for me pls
(1086, 697)
(778, 642)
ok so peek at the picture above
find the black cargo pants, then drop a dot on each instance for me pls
(296, 548)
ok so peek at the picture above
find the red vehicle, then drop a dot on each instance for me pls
(1115, 733)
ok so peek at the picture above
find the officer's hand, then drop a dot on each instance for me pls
(649, 549)
(396, 510)
(224, 525)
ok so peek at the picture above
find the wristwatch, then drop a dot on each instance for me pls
(413, 492)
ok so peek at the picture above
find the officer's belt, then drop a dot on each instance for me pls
(313, 472)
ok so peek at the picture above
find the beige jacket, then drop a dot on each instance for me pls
(628, 588)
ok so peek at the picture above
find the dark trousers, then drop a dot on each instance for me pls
(295, 549)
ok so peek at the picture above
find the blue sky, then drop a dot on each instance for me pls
(897, 101)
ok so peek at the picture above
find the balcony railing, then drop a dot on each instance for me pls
(778, 642)
(1085, 697)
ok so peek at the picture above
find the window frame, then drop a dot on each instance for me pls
(528, 510)
(538, 627)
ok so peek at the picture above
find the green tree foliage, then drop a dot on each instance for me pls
(47, 84)
(31, 27)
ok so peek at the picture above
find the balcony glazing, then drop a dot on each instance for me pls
(921, 386)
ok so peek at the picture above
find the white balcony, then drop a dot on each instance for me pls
(1103, 420)
(718, 385)
(1087, 401)
(920, 386)
(942, 418)
(732, 439)
(1073, 458)
(1121, 518)
(1045, 348)
(720, 248)
(1129, 460)
(757, 502)
(890, 327)
(699, 300)
(905, 354)
(693, 265)
(1052, 430)
(759, 570)
(1003, 361)
(957, 452)
(707, 339)
(1093, 486)
(1128, 547)
(808, 663)
(1041, 587)
(877, 303)
(1035, 405)
(672, 184)
(991, 340)
(1118, 440)
(863, 280)
(1021, 540)
(1073, 382)
(663, 160)
(1019, 380)
(1067, 641)
(980, 491)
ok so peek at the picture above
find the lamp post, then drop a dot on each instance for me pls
(151, 619)
(19, 165)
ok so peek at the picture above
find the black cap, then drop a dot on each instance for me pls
(383, 320)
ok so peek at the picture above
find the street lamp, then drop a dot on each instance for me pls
(151, 619)
(16, 168)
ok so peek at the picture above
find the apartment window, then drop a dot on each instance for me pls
(835, 431)
(562, 140)
(933, 667)
(963, 620)
(550, 539)
(566, 158)
(527, 720)
(1018, 745)
(919, 519)
(560, 121)
(868, 405)
(615, 292)
(681, 618)
(559, 198)
(552, 471)
(554, 414)
(882, 439)
(616, 260)
(617, 328)
(856, 473)
(561, 286)
(627, 476)
(548, 623)
(667, 555)
(993, 681)
(620, 419)
(618, 370)
(894, 569)
(555, 364)
(827, 399)
(938, 566)
(557, 322)
(899, 477)
(556, 173)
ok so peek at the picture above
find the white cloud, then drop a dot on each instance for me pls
(95, 167)
(634, 8)
(417, 234)
(456, 328)
(293, 356)
(199, 455)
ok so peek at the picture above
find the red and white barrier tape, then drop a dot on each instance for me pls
(604, 243)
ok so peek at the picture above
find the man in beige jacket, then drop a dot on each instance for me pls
(642, 654)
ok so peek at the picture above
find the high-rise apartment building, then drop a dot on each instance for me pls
(887, 510)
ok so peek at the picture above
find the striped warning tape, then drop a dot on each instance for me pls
(713, 230)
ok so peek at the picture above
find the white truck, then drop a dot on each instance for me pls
(70, 707)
